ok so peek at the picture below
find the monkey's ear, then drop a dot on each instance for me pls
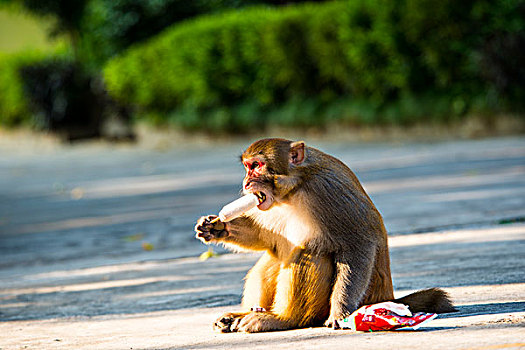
(297, 155)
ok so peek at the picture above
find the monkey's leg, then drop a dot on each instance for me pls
(353, 275)
(302, 297)
(380, 288)
(261, 280)
(259, 292)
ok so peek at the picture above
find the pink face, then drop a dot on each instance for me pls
(255, 167)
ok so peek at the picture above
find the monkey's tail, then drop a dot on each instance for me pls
(434, 300)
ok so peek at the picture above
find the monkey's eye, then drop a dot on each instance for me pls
(254, 165)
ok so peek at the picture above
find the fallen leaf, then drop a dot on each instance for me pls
(147, 246)
(207, 254)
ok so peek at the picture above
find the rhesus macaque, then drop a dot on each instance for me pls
(324, 242)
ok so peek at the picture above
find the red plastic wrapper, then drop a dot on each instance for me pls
(385, 316)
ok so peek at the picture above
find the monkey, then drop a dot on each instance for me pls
(324, 243)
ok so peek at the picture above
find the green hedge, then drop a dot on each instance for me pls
(110, 26)
(361, 61)
(15, 106)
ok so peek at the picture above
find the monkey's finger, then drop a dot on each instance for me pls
(224, 324)
(234, 327)
(203, 235)
(335, 325)
(211, 219)
(199, 228)
(207, 223)
(205, 220)
(221, 327)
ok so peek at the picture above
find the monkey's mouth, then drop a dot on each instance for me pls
(261, 196)
(265, 200)
(264, 197)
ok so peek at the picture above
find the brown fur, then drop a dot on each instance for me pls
(325, 244)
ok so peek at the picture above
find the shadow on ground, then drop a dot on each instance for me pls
(486, 309)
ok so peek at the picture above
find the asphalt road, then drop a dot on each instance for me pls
(96, 235)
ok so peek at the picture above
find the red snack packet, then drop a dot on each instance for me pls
(385, 316)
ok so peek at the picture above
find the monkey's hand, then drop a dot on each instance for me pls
(208, 230)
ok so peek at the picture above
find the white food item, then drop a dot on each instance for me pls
(238, 207)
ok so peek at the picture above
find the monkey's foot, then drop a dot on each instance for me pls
(260, 322)
(228, 322)
(332, 323)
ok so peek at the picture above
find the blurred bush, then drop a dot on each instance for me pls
(14, 106)
(48, 90)
(375, 61)
(65, 94)
(67, 99)
(110, 26)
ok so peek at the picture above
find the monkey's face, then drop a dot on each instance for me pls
(259, 181)
(271, 169)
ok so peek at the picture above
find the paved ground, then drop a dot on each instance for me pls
(97, 248)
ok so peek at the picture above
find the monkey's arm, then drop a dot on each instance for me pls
(241, 232)
(353, 271)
